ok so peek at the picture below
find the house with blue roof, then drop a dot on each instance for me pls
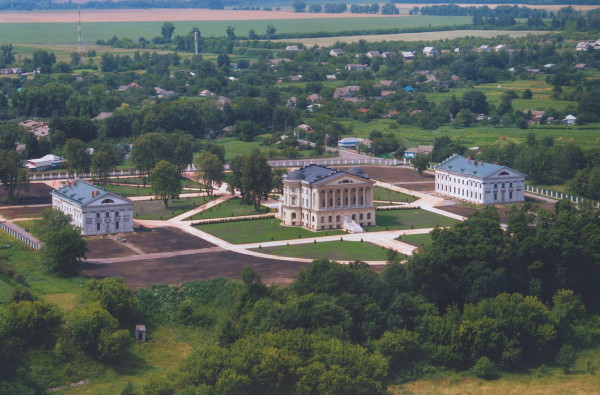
(479, 182)
(94, 210)
(319, 198)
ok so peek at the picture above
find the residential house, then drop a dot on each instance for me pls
(346, 92)
(94, 210)
(483, 49)
(133, 85)
(386, 83)
(581, 66)
(291, 103)
(501, 47)
(293, 48)
(314, 98)
(373, 54)
(318, 198)
(206, 93)
(357, 66)
(387, 54)
(162, 94)
(412, 152)
(462, 49)
(103, 115)
(570, 120)
(295, 78)
(583, 46)
(336, 52)
(407, 55)
(430, 52)
(479, 182)
(331, 77)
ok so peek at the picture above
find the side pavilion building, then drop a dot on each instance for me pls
(319, 198)
(94, 210)
(479, 182)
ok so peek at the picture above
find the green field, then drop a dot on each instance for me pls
(66, 33)
(155, 209)
(408, 219)
(5, 293)
(334, 250)
(260, 230)
(416, 240)
(128, 190)
(392, 196)
(230, 208)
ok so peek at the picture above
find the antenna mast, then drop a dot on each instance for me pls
(79, 36)
(196, 42)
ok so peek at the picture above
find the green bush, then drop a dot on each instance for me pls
(485, 369)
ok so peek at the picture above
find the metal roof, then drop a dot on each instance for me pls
(313, 173)
(469, 167)
(79, 192)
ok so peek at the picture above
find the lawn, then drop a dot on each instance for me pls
(230, 208)
(408, 219)
(31, 225)
(155, 209)
(335, 250)
(138, 181)
(128, 190)
(259, 230)
(416, 240)
(5, 293)
(392, 196)
(62, 33)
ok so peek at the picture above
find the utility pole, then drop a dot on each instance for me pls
(79, 36)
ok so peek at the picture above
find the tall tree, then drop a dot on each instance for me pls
(147, 151)
(63, 246)
(103, 162)
(421, 162)
(13, 176)
(166, 181)
(257, 178)
(77, 156)
(167, 30)
(210, 170)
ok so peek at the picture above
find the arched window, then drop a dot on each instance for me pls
(107, 201)
(504, 173)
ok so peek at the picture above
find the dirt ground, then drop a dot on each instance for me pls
(503, 210)
(179, 269)
(22, 212)
(164, 240)
(159, 15)
(36, 193)
(101, 247)
(426, 186)
(393, 174)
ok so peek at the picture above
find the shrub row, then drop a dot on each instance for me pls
(384, 208)
(237, 219)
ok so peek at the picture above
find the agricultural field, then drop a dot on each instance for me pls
(334, 250)
(66, 33)
(421, 36)
(260, 230)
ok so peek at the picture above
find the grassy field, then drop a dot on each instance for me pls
(260, 230)
(416, 240)
(392, 196)
(424, 36)
(408, 219)
(66, 33)
(335, 250)
(128, 190)
(230, 208)
(542, 380)
(155, 209)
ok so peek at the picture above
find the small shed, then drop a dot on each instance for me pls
(140, 333)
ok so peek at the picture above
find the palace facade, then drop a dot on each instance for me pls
(479, 182)
(320, 198)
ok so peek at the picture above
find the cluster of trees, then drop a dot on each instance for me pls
(478, 298)
(252, 176)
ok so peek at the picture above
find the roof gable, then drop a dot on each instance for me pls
(82, 193)
(474, 168)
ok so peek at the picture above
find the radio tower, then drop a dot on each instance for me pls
(196, 42)
(79, 36)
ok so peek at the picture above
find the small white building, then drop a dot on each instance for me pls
(349, 142)
(479, 182)
(430, 52)
(94, 210)
(570, 120)
(46, 162)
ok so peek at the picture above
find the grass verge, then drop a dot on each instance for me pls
(336, 250)
(408, 219)
(155, 209)
(392, 196)
(231, 208)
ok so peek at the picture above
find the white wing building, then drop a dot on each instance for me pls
(479, 182)
(94, 210)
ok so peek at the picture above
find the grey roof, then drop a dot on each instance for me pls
(470, 167)
(79, 192)
(313, 173)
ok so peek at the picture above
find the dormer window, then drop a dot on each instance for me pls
(107, 201)
(504, 173)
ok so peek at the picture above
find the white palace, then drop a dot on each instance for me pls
(319, 198)
(94, 210)
(479, 182)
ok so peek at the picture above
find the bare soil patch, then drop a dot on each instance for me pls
(204, 266)
(22, 212)
(393, 174)
(151, 240)
(107, 248)
(159, 15)
(36, 193)
(425, 186)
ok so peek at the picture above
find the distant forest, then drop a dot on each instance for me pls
(18, 5)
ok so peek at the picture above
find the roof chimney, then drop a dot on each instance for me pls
(74, 182)
(69, 183)
(469, 159)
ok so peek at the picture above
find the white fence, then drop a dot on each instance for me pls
(19, 233)
(333, 162)
(65, 175)
(556, 195)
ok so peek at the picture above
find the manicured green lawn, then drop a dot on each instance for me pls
(31, 225)
(138, 181)
(408, 219)
(128, 190)
(230, 208)
(335, 250)
(416, 240)
(254, 231)
(392, 196)
(155, 209)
